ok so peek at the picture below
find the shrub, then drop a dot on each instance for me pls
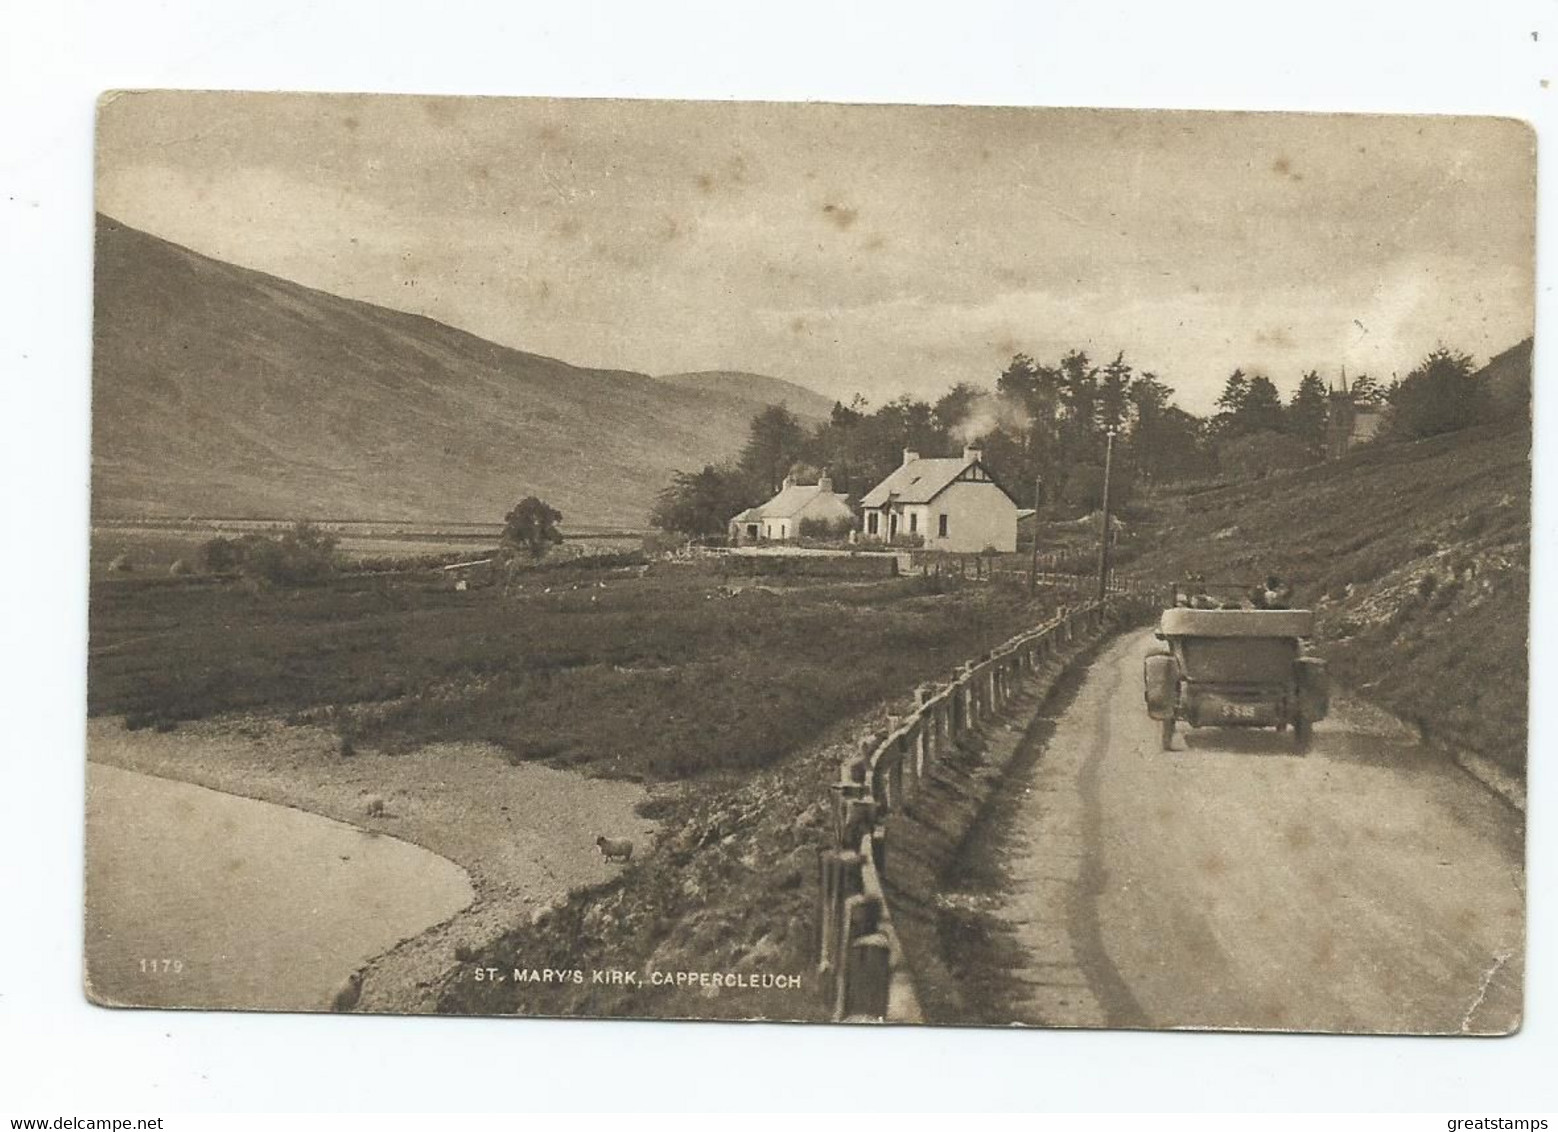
(220, 555)
(303, 556)
(825, 528)
(662, 542)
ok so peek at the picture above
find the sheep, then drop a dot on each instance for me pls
(614, 850)
(345, 999)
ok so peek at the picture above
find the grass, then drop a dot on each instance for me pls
(663, 676)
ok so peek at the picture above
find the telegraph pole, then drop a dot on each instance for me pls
(1033, 560)
(1103, 551)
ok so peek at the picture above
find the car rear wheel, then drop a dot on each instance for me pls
(1303, 735)
(1166, 735)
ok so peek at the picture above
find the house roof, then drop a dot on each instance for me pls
(921, 480)
(788, 503)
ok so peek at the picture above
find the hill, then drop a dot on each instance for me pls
(1508, 378)
(219, 390)
(1416, 558)
(757, 388)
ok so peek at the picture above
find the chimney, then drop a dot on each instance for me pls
(909, 456)
(972, 452)
(825, 484)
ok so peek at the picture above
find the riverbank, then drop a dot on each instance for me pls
(523, 832)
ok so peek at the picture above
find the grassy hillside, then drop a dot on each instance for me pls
(1416, 558)
(218, 390)
(805, 403)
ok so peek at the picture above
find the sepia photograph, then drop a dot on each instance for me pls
(809, 562)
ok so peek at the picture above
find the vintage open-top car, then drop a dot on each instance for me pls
(1236, 668)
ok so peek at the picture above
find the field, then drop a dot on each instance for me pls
(150, 546)
(663, 674)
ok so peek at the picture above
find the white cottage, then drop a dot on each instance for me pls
(951, 503)
(781, 517)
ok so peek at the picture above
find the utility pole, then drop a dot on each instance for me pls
(1033, 560)
(1104, 549)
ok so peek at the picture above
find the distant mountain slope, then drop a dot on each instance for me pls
(805, 403)
(218, 390)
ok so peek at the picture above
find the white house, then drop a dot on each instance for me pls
(781, 517)
(952, 504)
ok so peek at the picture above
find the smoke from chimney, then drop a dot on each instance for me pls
(986, 414)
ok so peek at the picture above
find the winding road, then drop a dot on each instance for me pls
(1232, 884)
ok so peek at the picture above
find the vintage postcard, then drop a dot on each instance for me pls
(949, 565)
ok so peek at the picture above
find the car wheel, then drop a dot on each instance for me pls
(1303, 735)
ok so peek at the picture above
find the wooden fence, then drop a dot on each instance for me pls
(860, 961)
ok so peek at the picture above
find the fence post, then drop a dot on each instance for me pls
(925, 747)
(865, 961)
(840, 880)
(909, 759)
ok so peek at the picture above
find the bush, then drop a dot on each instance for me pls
(662, 542)
(303, 556)
(220, 555)
(1259, 454)
(825, 528)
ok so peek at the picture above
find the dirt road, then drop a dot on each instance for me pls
(1230, 883)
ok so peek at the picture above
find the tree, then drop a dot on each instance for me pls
(957, 406)
(1180, 448)
(776, 441)
(532, 526)
(1366, 392)
(1149, 399)
(1246, 405)
(1441, 395)
(702, 503)
(1262, 408)
(1307, 413)
(1114, 394)
(1230, 402)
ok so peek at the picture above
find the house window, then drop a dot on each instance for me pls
(871, 523)
(914, 522)
(941, 526)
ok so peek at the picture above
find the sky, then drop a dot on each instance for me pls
(877, 250)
